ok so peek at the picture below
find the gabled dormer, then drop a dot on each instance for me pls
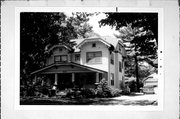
(58, 54)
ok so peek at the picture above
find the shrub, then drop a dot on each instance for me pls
(126, 90)
(30, 91)
(103, 90)
(23, 90)
(133, 86)
(45, 90)
(88, 93)
(73, 94)
(115, 92)
(62, 94)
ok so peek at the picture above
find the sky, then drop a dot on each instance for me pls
(103, 30)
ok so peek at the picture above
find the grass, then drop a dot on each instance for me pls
(84, 101)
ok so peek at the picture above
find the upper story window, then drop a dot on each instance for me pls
(120, 67)
(112, 58)
(60, 49)
(60, 58)
(77, 57)
(94, 45)
(94, 57)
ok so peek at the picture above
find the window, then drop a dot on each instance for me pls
(60, 49)
(112, 58)
(112, 79)
(60, 58)
(94, 57)
(77, 57)
(120, 69)
(94, 45)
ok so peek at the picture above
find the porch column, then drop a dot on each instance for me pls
(56, 79)
(97, 77)
(73, 77)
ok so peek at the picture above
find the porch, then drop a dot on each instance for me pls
(70, 75)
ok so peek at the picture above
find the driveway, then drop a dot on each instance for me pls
(138, 99)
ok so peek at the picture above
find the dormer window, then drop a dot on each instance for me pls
(60, 58)
(94, 45)
(60, 49)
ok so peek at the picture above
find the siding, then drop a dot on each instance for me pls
(87, 47)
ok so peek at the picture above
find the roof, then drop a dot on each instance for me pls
(112, 41)
(67, 64)
(60, 45)
(107, 40)
(92, 39)
(77, 42)
(152, 77)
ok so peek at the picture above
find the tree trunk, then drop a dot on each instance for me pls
(137, 75)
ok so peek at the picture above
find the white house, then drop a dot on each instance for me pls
(85, 64)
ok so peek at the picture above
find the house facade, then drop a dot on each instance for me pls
(85, 64)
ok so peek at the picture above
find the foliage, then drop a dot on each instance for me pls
(79, 21)
(115, 92)
(126, 91)
(73, 94)
(144, 69)
(148, 22)
(103, 90)
(88, 93)
(139, 31)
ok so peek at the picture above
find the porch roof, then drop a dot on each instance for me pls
(76, 68)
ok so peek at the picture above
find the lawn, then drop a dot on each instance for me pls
(86, 101)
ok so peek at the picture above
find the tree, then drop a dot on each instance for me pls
(38, 31)
(79, 21)
(140, 35)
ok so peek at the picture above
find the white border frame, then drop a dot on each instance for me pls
(89, 108)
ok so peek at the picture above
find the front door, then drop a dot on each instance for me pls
(64, 81)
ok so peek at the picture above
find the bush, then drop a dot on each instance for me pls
(30, 91)
(101, 93)
(103, 90)
(115, 92)
(73, 94)
(88, 93)
(126, 90)
(23, 90)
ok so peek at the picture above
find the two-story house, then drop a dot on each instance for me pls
(85, 64)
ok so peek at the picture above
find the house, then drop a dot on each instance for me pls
(150, 83)
(151, 80)
(85, 64)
